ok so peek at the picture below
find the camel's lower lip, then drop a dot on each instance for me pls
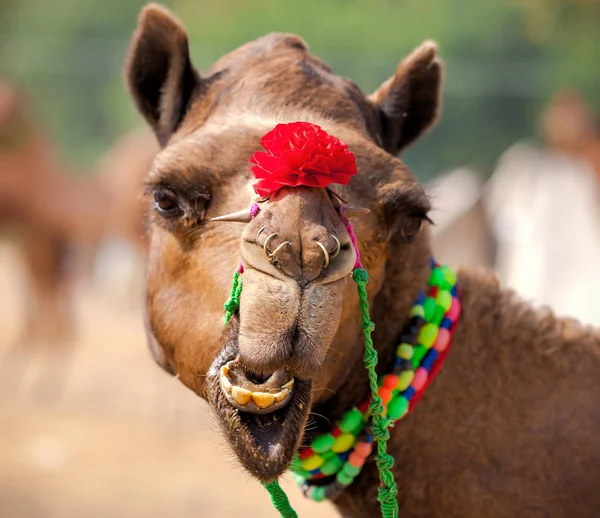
(264, 442)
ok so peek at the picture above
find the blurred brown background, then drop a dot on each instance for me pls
(90, 427)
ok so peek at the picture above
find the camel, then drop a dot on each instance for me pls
(54, 211)
(509, 426)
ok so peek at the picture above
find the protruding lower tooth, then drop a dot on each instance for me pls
(226, 384)
(225, 371)
(263, 399)
(288, 385)
(280, 396)
(241, 395)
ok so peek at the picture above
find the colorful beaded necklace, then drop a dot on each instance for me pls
(341, 453)
(424, 344)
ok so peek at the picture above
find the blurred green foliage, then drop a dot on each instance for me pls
(504, 59)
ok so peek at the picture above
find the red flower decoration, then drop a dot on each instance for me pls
(300, 153)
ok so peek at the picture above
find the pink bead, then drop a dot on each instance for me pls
(356, 460)
(454, 310)
(363, 449)
(420, 379)
(442, 340)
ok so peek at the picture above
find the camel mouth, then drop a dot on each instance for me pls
(255, 394)
(264, 435)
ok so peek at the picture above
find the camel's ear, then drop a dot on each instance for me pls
(409, 102)
(158, 71)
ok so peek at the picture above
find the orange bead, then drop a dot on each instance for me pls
(385, 394)
(363, 449)
(390, 381)
(356, 460)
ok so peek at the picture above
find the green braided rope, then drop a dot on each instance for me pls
(280, 499)
(233, 302)
(278, 496)
(386, 494)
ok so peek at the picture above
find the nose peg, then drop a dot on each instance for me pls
(325, 253)
(272, 256)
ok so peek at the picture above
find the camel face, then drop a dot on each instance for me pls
(297, 330)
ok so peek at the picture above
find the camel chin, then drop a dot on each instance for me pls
(262, 417)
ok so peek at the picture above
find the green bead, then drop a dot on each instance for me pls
(444, 299)
(419, 353)
(351, 470)
(351, 420)
(299, 479)
(296, 463)
(417, 311)
(427, 335)
(344, 479)
(333, 465)
(429, 306)
(404, 351)
(317, 493)
(323, 443)
(328, 455)
(397, 407)
(437, 278)
(449, 275)
(438, 316)
(405, 379)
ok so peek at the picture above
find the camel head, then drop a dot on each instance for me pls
(297, 333)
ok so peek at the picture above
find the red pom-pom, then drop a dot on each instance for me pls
(301, 153)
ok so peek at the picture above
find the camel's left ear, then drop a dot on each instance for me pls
(410, 101)
(158, 71)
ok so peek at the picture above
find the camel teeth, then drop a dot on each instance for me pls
(288, 385)
(263, 399)
(241, 395)
(226, 384)
(225, 371)
(280, 396)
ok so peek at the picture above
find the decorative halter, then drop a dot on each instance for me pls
(301, 153)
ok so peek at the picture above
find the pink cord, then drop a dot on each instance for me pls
(350, 230)
(254, 210)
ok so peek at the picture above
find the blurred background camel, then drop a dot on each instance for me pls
(57, 215)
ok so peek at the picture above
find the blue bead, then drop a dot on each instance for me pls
(420, 299)
(315, 472)
(429, 359)
(369, 439)
(409, 393)
(344, 456)
(398, 362)
(432, 263)
(446, 323)
(454, 291)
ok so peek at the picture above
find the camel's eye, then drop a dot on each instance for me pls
(410, 227)
(165, 201)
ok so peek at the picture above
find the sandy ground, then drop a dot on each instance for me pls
(98, 430)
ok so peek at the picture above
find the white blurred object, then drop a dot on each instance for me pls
(545, 213)
(461, 235)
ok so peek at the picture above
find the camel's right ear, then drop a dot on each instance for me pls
(409, 102)
(158, 71)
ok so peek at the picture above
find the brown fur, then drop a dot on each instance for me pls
(508, 429)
